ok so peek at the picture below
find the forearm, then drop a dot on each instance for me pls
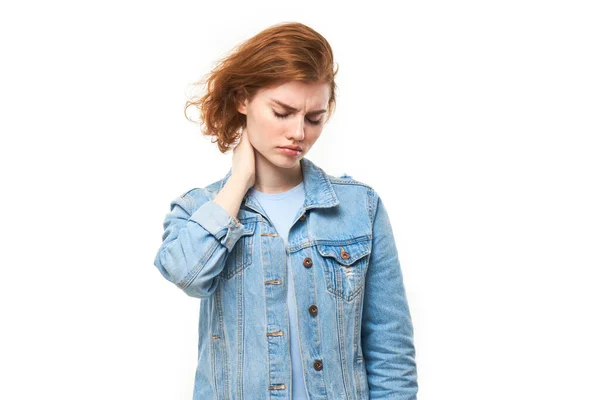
(231, 195)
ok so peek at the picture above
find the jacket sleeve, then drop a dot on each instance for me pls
(195, 245)
(387, 331)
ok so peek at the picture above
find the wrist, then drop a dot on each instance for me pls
(241, 181)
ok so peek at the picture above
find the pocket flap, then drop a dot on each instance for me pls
(345, 254)
(248, 229)
(249, 225)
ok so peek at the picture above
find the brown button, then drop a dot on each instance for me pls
(318, 365)
(345, 255)
(313, 310)
(307, 262)
(303, 217)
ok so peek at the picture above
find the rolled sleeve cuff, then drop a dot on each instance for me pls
(216, 220)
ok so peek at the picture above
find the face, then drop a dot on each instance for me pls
(271, 125)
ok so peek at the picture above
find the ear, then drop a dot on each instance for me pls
(241, 105)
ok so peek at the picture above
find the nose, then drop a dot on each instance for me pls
(299, 131)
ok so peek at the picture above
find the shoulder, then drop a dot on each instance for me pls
(345, 185)
(346, 179)
(191, 199)
(349, 188)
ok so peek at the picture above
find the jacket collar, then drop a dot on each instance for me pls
(318, 188)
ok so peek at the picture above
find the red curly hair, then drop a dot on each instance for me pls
(283, 52)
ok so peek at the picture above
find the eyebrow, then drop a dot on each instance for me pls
(293, 109)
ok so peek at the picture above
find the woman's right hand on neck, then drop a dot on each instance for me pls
(242, 177)
(243, 160)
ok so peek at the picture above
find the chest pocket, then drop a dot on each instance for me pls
(241, 254)
(345, 266)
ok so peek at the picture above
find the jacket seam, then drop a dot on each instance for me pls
(339, 304)
(225, 361)
(357, 344)
(338, 181)
(241, 326)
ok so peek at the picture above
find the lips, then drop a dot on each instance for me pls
(289, 151)
(296, 148)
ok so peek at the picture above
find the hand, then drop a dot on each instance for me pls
(243, 160)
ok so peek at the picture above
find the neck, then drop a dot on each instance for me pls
(271, 178)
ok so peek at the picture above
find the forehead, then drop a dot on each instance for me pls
(298, 93)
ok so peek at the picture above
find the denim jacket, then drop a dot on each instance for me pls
(355, 328)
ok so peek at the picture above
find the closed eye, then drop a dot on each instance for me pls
(282, 116)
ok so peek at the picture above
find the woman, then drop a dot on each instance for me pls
(301, 289)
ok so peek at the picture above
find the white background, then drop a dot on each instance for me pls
(476, 121)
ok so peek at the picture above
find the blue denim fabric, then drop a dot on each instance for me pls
(355, 328)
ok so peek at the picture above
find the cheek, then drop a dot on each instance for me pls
(313, 135)
(267, 117)
(268, 124)
(265, 131)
